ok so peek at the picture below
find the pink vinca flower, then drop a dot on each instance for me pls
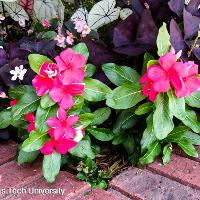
(165, 74)
(31, 119)
(71, 66)
(63, 94)
(45, 81)
(188, 73)
(62, 146)
(147, 89)
(62, 126)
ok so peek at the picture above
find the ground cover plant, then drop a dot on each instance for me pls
(84, 92)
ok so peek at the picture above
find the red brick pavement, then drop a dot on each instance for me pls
(179, 180)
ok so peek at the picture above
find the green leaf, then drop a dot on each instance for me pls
(153, 151)
(85, 119)
(51, 166)
(95, 90)
(102, 134)
(125, 120)
(18, 91)
(46, 101)
(29, 102)
(163, 40)
(152, 62)
(125, 96)
(148, 135)
(49, 35)
(118, 139)
(82, 150)
(192, 137)
(129, 144)
(188, 148)
(144, 108)
(77, 107)
(36, 61)
(101, 115)
(194, 99)
(89, 70)
(167, 152)
(26, 157)
(42, 115)
(147, 58)
(35, 141)
(81, 48)
(120, 74)
(162, 119)
(5, 118)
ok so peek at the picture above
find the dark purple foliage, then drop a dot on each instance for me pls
(191, 24)
(177, 40)
(138, 37)
(193, 7)
(176, 6)
(195, 49)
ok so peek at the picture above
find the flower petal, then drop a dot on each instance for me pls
(63, 146)
(47, 148)
(61, 114)
(71, 120)
(156, 73)
(167, 61)
(53, 122)
(161, 85)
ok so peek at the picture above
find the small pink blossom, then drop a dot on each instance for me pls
(60, 38)
(62, 126)
(22, 22)
(71, 66)
(30, 31)
(70, 38)
(3, 95)
(63, 94)
(46, 23)
(79, 25)
(45, 81)
(86, 31)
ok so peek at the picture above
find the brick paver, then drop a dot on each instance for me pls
(180, 179)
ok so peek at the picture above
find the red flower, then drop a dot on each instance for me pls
(31, 119)
(45, 82)
(13, 102)
(147, 89)
(71, 66)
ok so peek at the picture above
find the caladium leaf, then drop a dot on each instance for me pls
(16, 11)
(80, 13)
(44, 10)
(103, 13)
(27, 5)
(60, 8)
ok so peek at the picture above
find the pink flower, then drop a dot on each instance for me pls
(71, 66)
(70, 38)
(79, 25)
(13, 102)
(62, 146)
(86, 31)
(60, 38)
(22, 22)
(188, 73)
(63, 94)
(147, 89)
(165, 74)
(61, 127)
(31, 119)
(3, 95)
(46, 23)
(45, 82)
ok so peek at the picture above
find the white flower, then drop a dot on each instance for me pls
(1, 47)
(3, 95)
(19, 73)
(79, 134)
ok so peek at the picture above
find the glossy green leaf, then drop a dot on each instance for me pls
(152, 62)
(101, 115)
(85, 119)
(95, 90)
(36, 61)
(163, 40)
(147, 58)
(125, 96)
(102, 134)
(194, 99)
(167, 152)
(118, 139)
(120, 74)
(89, 70)
(35, 141)
(81, 48)
(82, 150)
(129, 144)
(46, 101)
(144, 108)
(162, 118)
(153, 151)
(5, 118)
(51, 166)
(77, 107)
